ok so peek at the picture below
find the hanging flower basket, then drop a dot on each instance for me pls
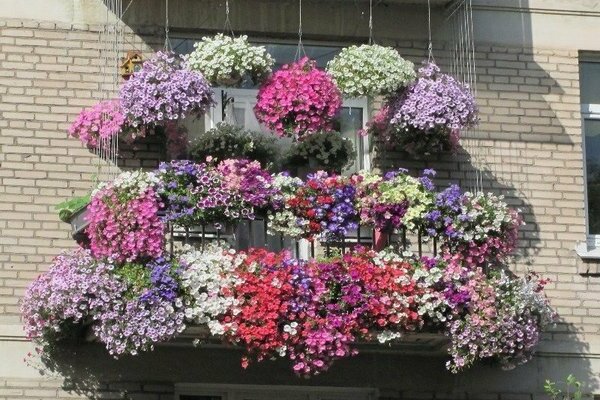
(227, 61)
(99, 125)
(163, 90)
(370, 70)
(427, 117)
(328, 151)
(298, 100)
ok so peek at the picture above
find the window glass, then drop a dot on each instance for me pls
(350, 125)
(590, 82)
(592, 155)
(283, 53)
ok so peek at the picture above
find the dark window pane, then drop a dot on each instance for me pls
(193, 397)
(590, 82)
(283, 53)
(592, 157)
(351, 122)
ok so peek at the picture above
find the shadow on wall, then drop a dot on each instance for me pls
(87, 370)
(458, 169)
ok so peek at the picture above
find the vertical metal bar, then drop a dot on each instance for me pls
(419, 238)
(327, 250)
(250, 233)
(219, 234)
(404, 243)
(343, 245)
(187, 235)
(312, 249)
(265, 235)
(297, 249)
(358, 235)
(435, 246)
(203, 236)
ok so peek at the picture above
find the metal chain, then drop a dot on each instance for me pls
(227, 27)
(370, 21)
(300, 50)
(168, 46)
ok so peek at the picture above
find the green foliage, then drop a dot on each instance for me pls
(571, 390)
(136, 276)
(230, 141)
(328, 151)
(68, 208)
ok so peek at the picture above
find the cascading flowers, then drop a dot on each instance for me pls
(298, 100)
(395, 200)
(480, 227)
(370, 70)
(207, 193)
(98, 125)
(328, 203)
(281, 217)
(129, 307)
(164, 90)
(429, 114)
(227, 61)
(124, 224)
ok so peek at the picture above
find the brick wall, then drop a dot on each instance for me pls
(48, 73)
(528, 144)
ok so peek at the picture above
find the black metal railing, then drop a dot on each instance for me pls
(254, 233)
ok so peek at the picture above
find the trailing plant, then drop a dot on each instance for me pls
(328, 151)
(124, 224)
(68, 208)
(298, 100)
(230, 141)
(370, 70)
(428, 116)
(227, 61)
(99, 125)
(164, 90)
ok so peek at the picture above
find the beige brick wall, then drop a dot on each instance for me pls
(48, 73)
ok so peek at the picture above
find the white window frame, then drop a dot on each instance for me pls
(240, 392)
(591, 248)
(214, 116)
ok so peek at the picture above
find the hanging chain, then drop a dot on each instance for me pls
(227, 27)
(370, 21)
(300, 50)
(168, 46)
(430, 44)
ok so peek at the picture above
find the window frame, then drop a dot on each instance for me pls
(237, 391)
(214, 116)
(589, 111)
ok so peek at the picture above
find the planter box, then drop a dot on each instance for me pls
(78, 224)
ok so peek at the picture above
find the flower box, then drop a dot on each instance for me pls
(78, 223)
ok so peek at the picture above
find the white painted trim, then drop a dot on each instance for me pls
(233, 391)
(590, 111)
(591, 248)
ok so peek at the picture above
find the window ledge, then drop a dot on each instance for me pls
(587, 251)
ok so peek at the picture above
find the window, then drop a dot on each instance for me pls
(590, 111)
(236, 106)
(264, 392)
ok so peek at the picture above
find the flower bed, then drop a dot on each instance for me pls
(311, 312)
